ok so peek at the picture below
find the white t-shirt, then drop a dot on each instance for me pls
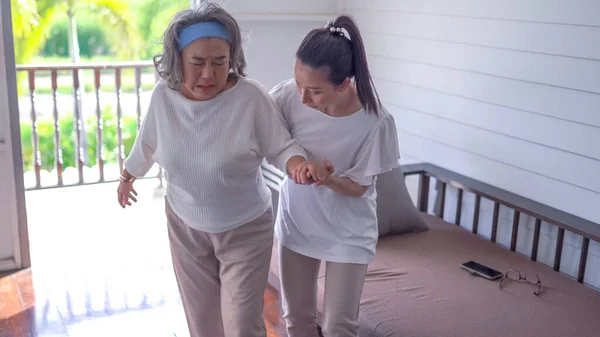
(212, 151)
(316, 221)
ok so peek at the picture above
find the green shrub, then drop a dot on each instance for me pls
(67, 139)
(90, 35)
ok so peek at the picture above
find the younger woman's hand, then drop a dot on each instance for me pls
(328, 166)
(326, 176)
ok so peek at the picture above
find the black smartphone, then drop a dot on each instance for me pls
(481, 270)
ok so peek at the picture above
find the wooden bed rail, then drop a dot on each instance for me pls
(564, 221)
(520, 205)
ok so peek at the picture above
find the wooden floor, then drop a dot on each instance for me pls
(98, 270)
(23, 314)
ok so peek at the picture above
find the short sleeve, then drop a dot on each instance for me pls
(378, 154)
(277, 91)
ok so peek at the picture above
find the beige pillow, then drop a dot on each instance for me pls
(396, 212)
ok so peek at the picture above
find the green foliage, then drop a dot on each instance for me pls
(34, 20)
(91, 37)
(129, 30)
(25, 23)
(152, 19)
(67, 139)
(119, 22)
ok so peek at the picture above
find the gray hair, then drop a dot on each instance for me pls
(168, 63)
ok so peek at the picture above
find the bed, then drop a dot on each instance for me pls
(415, 287)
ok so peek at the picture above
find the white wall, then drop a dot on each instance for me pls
(281, 7)
(273, 30)
(271, 48)
(503, 91)
(12, 208)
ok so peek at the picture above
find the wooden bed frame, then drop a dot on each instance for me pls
(520, 205)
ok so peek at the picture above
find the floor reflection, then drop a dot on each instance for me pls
(98, 270)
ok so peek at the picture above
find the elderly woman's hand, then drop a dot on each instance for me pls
(126, 193)
(310, 172)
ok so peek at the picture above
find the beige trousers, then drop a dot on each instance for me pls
(222, 277)
(343, 289)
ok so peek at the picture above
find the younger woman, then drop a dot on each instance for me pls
(333, 110)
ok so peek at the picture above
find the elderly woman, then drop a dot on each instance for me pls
(210, 128)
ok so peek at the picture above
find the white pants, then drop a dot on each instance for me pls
(343, 289)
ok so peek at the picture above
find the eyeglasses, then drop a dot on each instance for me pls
(516, 275)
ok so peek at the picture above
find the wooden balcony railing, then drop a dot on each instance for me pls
(74, 71)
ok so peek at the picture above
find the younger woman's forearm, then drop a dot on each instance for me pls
(345, 186)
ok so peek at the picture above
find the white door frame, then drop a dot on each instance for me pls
(11, 184)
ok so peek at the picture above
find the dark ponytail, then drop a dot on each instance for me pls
(343, 53)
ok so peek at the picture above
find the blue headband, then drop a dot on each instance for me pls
(202, 30)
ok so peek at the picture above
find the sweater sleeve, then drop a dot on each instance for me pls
(274, 138)
(141, 157)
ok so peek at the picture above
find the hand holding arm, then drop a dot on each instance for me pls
(342, 185)
(293, 166)
(310, 172)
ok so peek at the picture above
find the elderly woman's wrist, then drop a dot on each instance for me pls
(293, 163)
(126, 176)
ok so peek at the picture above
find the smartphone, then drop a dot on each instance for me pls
(481, 270)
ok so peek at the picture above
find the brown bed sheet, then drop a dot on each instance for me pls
(415, 288)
